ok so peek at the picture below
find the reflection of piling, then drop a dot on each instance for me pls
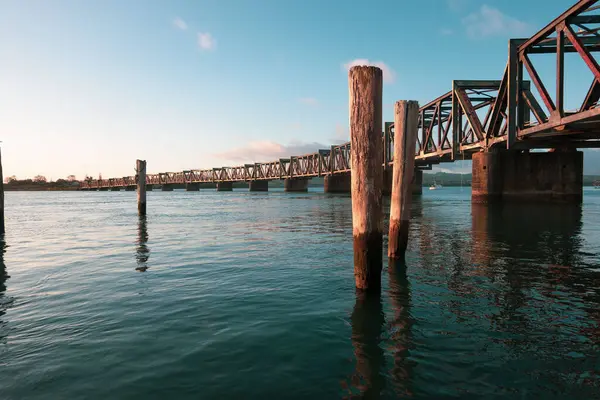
(141, 186)
(142, 252)
(365, 87)
(367, 325)
(405, 137)
(2, 230)
(3, 274)
(401, 329)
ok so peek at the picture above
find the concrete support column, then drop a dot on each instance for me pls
(338, 183)
(417, 182)
(258, 186)
(149, 188)
(130, 188)
(192, 187)
(112, 189)
(528, 176)
(167, 188)
(296, 185)
(104, 189)
(224, 186)
(486, 182)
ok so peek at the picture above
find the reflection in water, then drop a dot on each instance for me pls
(143, 252)
(548, 233)
(400, 328)
(3, 274)
(530, 247)
(367, 322)
(5, 302)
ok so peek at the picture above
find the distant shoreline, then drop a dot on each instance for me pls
(441, 178)
(75, 189)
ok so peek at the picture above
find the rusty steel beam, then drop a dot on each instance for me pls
(535, 78)
(592, 96)
(579, 7)
(580, 47)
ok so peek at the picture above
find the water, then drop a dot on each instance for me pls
(250, 295)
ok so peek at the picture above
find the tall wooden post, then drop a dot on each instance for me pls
(365, 87)
(406, 114)
(2, 230)
(141, 186)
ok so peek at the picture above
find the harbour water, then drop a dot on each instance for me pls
(251, 295)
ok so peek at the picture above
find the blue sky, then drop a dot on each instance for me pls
(86, 87)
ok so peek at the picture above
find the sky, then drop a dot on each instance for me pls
(88, 87)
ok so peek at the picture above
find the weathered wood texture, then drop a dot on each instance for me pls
(406, 115)
(365, 89)
(141, 186)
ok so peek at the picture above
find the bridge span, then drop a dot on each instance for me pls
(495, 123)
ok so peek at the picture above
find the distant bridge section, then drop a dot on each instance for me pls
(516, 113)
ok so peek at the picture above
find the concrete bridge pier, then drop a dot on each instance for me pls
(295, 185)
(112, 189)
(224, 186)
(149, 187)
(338, 183)
(192, 187)
(554, 176)
(416, 185)
(258, 186)
(130, 188)
(167, 188)
(417, 182)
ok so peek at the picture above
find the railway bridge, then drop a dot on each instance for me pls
(503, 126)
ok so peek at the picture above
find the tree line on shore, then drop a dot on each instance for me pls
(40, 182)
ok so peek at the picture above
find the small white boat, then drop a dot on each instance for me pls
(435, 186)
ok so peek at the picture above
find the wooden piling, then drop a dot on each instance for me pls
(2, 230)
(365, 88)
(141, 186)
(406, 114)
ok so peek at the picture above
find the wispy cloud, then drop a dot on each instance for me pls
(309, 101)
(389, 76)
(266, 150)
(446, 32)
(456, 5)
(489, 21)
(180, 24)
(206, 41)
